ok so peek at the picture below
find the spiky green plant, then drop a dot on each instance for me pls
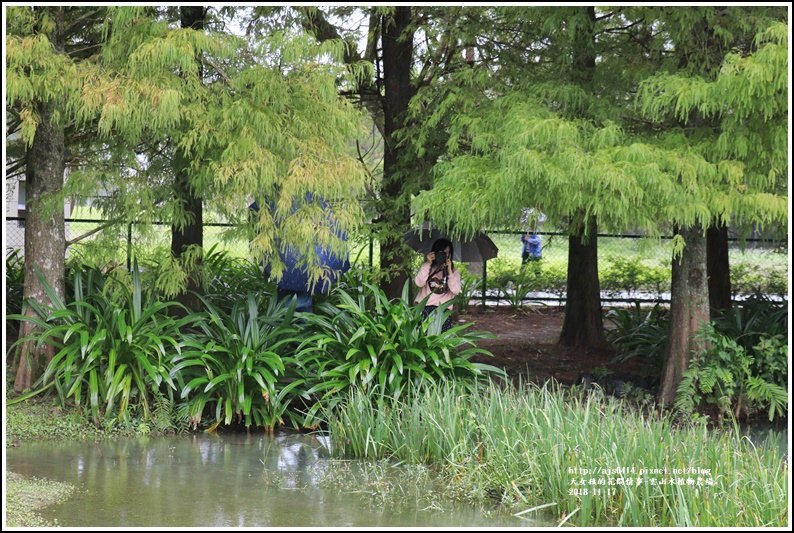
(366, 340)
(530, 448)
(640, 333)
(238, 362)
(112, 350)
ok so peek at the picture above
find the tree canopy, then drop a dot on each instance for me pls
(519, 146)
(253, 119)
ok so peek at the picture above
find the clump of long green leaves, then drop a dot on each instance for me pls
(537, 448)
(113, 349)
(755, 318)
(640, 333)
(363, 339)
(238, 361)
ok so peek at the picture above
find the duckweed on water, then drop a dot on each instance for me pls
(40, 419)
(25, 495)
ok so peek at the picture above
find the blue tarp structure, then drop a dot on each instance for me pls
(295, 280)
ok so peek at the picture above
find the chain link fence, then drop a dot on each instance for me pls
(631, 268)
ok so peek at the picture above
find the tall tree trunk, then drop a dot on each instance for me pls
(689, 298)
(394, 207)
(718, 269)
(45, 239)
(191, 233)
(583, 324)
(689, 309)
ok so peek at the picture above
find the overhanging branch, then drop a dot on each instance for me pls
(92, 232)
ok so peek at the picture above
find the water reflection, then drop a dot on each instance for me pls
(768, 437)
(214, 481)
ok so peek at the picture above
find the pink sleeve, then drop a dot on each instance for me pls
(421, 276)
(453, 282)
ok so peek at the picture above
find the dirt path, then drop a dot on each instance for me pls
(526, 345)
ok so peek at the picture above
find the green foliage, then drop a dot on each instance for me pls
(168, 416)
(748, 279)
(529, 278)
(740, 130)
(364, 340)
(512, 282)
(41, 419)
(111, 351)
(640, 333)
(770, 360)
(517, 446)
(36, 72)
(229, 279)
(630, 275)
(751, 320)
(723, 375)
(15, 279)
(239, 362)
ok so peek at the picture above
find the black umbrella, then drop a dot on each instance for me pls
(474, 250)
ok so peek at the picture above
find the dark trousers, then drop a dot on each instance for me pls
(429, 309)
(527, 257)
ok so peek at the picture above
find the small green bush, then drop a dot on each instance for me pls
(640, 333)
(110, 348)
(630, 275)
(238, 362)
(723, 375)
(362, 339)
(748, 278)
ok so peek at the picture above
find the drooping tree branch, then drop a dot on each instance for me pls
(92, 232)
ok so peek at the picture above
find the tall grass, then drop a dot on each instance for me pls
(530, 446)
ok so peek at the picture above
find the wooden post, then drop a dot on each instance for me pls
(484, 277)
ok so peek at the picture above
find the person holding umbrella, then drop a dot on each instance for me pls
(438, 279)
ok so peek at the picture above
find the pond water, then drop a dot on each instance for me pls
(237, 481)
(768, 436)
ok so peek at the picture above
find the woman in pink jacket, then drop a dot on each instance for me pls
(438, 279)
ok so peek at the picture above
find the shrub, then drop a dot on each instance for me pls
(757, 278)
(630, 275)
(227, 279)
(553, 278)
(723, 375)
(238, 362)
(110, 348)
(747, 322)
(640, 333)
(365, 340)
(513, 283)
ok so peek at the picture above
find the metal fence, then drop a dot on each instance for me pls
(632, 268)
